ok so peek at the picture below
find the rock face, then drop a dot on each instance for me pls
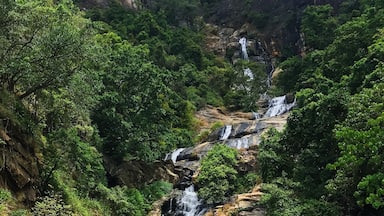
(242, 205)
(276, 24)
(138, 173)
(19, 166)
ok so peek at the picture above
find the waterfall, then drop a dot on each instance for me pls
(248, 72)
(278, 106)
(190, 203)
(239, 143)
(173, 155)
(256, 115)
(225, 132)
(243, 43)
(268, 62)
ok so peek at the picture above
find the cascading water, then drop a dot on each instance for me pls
(189, 204)
(248, 73)
(278, 106)
(241, 143)
(225, 132)
(173, 155)
(243, 43)
(269, 64)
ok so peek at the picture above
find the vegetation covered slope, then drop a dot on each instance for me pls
(124, 85)
(328, 161)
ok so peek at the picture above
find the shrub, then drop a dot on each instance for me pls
(218, 174)
(51, 205)
(5, 196)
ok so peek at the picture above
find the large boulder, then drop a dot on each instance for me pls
(137, 173)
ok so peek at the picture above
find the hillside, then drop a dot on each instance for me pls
(107, 107)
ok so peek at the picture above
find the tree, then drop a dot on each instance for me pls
(217, 176)
(309, 141)
(248, 81)
(273, 161)
(358, 169)
(43, 45)
(318, 26)
(137, 109)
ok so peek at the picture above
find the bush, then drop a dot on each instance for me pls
(123, 200)
(218, 174)
(51, 205)
(5, 196)
(156, 190)
(19, 212)
(246, 182)
(280, 199)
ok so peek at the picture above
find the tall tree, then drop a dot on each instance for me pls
(42, 45)
(136, 111)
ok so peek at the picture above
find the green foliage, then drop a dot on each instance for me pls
(177, 11)
(309, 141)
(44, 45)
(156, 190)
(332, 142)
(244, 90)
(123, 201)
(78, 158)
(217, 176)
(281, 200)
(51, 205)
(272, 157)
(360, 140)
(245, 182)
(259, 19)
(318, 26)
(134, 117)
(5, 196)
(19, 212)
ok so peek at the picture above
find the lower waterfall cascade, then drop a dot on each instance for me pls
(239, 136)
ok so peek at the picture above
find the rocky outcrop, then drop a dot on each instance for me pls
(276, 24)
(19, 165)
(138, 173)
(242, 205)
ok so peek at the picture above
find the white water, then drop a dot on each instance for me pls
(243, 43)
(278, 106)
(190, 202)
(174, 154)
(248, 72)
(240, 143)
(226, 132)
(256, 115)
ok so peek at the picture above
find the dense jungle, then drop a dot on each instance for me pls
(192, 107)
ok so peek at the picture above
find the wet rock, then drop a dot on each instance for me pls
(248, 160)
(290, 98)
(188, 154)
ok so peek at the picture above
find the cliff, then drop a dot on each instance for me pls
(276, 24)
(19, 164)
